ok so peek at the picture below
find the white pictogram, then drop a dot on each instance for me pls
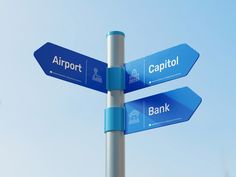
(134, 117)
(96, 77)
(134, 77)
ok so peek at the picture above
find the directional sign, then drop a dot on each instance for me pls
(160, 67)
(160, 110)
(71, 66)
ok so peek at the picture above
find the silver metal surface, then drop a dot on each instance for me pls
(115, 140)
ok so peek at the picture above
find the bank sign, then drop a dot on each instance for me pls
(160, 110)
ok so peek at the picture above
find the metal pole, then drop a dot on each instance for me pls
(115, 141)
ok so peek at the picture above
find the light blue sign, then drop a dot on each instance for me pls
(160, 67)
(160, 110)
(73, 67)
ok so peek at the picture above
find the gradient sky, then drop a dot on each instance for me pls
(50, 128)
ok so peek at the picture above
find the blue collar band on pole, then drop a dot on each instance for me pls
(115, 78)
(114, 119)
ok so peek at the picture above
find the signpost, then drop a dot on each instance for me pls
(160, 67)
(73, 67)
(160, 110)
(115, 140)
(115, 79)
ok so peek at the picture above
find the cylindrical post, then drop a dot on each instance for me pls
(115, 141)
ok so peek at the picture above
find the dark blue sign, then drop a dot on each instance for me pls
(160, 110)
(73, 67)
(160, 67)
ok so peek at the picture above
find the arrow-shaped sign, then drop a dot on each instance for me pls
(71, 66)
(160, 67)
(160, 110)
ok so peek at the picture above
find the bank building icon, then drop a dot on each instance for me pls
(134, 117)
(96, 77)
(134, 77)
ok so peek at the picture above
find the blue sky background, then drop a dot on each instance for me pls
(52, 128)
